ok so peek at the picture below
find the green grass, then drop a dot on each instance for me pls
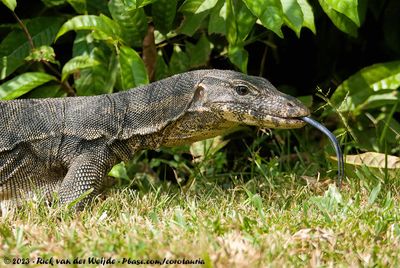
(275, 218)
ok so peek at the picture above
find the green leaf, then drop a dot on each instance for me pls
(217, 22)
(97, 7)
(238, 56)
(22, 84)
(79, 6)
(76, 64)
(195, 12)
(269, 12)
(199, 54)
(83, 44)
(132, 69)
(48, 90)
(11, 4)
(163, 13)
(43, 53)
(342, 22)
(133, 4)
(143, 3)
(179, 61)
(101, 78)
(193, 22)
(293, 15)
(119, 171)
(308, 15)
(240, 22)
(53, 3)
(100, 23)
(15, 47)
(379, 100)
(161, 69)
(133, 22)
(197, 6)
(208, 148)
(374, 194)
(349, 8)
(353, 93)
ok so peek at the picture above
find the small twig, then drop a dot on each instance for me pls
(67, 87)
(264, 57)
(340, 114)
(26, 32)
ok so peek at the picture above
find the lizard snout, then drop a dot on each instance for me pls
(293, 108)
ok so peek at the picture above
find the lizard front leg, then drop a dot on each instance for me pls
(87, 171)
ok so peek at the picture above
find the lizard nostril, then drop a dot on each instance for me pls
(290, 104)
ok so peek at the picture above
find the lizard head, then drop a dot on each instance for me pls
(248, 100)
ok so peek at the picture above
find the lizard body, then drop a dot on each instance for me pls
(68, 145)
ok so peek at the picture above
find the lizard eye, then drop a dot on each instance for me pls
(242, 90)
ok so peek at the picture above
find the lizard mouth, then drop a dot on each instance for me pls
(272, 121)
(261, 118)
(276, 121)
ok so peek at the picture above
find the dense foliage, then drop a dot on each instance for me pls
(345, 51)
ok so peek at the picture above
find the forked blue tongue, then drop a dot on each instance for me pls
(334, 142)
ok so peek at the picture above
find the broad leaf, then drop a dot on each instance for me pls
(217, 22)
(179, 61)
(197, 6)
(308, 15)
(356, 92)
(48, 90)
(22, 84)
(238, 56)
(53, 3)
(133, 23)
(163, 12)
(132, 69)
(193, 22)
(119, 171)
(79, 6)
(293, 15)
(97, 7)
(15, 47)
(99, 79)
(83, 44)
(269, 12)
(240, 22)
(101, 23)
(161, 69)
(43, 53)
(372, 162)
(379, 100)
(374, 194)
(339, 20)
(199, 53)
(133, 4)
(11, 4)
(76, 64)
(349, 8)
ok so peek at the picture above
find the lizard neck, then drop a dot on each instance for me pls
(193, 127)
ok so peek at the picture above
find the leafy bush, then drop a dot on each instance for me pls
(299, 44)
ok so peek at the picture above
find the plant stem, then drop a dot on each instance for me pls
(67, 87)
(26, 32)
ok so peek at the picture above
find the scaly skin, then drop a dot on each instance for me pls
(68, 145)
